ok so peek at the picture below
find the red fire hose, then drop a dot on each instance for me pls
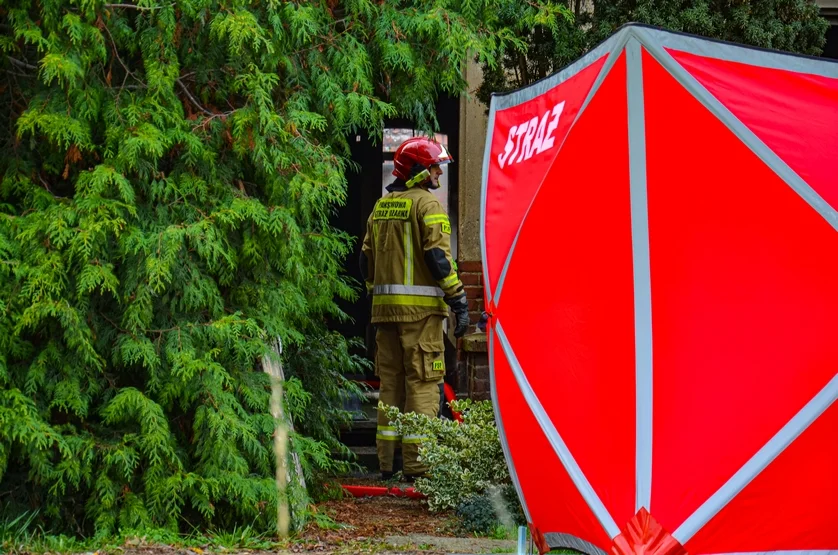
(377, 491)
(411, 493)
(449, 396)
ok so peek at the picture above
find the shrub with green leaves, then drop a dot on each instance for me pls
(464, 459)
(168, 175)
(478, 514)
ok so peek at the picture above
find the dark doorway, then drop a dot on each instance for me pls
(365, 185)
(362, 194)
(830, 50)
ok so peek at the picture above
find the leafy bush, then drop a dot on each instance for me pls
(478, 514)
(466, 466)
(496, 513)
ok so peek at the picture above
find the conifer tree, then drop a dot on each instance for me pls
(169, 169)
(789, 25)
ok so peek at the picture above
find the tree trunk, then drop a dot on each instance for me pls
(272, 366)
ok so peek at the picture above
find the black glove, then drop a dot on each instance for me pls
(459, 305)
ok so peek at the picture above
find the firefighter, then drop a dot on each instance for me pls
(407, 266)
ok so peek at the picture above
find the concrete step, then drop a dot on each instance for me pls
(367, 457)
(368, 424)
(360, 433)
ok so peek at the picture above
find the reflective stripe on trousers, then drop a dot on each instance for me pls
(387, 433)
(410, 438)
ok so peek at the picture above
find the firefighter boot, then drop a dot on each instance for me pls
(388, 368)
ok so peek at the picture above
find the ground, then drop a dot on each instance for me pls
(392, 525)
(370, 525)
(378, 517)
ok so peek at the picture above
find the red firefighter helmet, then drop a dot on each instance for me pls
(418, 150)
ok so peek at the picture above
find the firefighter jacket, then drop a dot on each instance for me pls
(406, 258)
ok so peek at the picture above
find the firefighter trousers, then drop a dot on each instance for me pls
(410, 363)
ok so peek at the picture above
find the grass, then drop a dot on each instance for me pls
(501, 532)
(245, 538)
(17, 538)
(23, 535)
(239, 538)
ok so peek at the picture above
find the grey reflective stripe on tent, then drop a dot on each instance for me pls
(765, 456)
(735, 53)
(556, 442)
(557, 540)
(487, 154)
(642, 276)
(656, 42)
(650, 38)
(507, 454)
(614, 47)
(802, 552)
(743, 133)
(514, 98)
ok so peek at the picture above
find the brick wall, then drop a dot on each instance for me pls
(471, 274)
(473, 368)
(472, 354)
